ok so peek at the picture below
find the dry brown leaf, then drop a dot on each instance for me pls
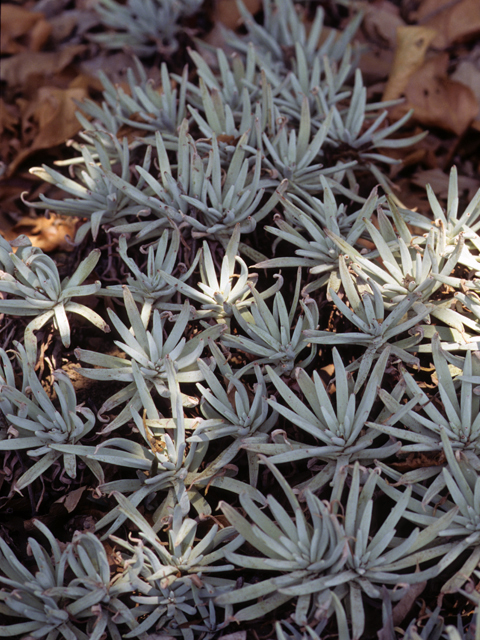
(457, 21)
(228, 14)
(53, 113)
(18, 22)
(17, 70)
(439, 180)
(8, 120)
(412, 44)
(71, 500)
(438, 100)
(381, 21)
(48, 234)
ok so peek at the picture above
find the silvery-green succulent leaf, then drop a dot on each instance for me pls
(176, 579)
(162, 462)
(460, 511)
(424, 422)
(341, 431)
(32, 282)
(224, 105)
(377, 558)
(349, 134)
(95, 196)
(305, 551)
(143, 26)
(37, 425)
(308, 215)
(367, 313)
(144, 107)
(150, 288)
(272, 336)
(72, 587)
(147, 353)
(405, 267)
(330, 601)
(200, 194)
(233, 411)
(299, 157)
(218, 296)
(284, 27)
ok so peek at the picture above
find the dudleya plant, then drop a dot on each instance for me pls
(147, 353)
(424, 422)
(151, 289)
(272, 336)
(377, 329)
(312, 217)
(31, 280)
(71, 596)
(143, 27)
(37, 425)
(178, 580)
(341, 432)
(97, 199)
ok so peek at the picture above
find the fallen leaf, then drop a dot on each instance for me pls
(17, 23)
(412, 44)
(8, 119)
(468, 73)
(47, 233)
(53, 112)
(402, 608)
(438, 100)
(71, 500)
(381, 21)
(17, 70)
(457, 21)
(439, 180)
(228, 14)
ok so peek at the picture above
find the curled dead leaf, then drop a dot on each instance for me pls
(437, 100)
(53, 113)
(412, 45)
(454, 22)
(22, 29)
(17, 70)
(228, 14)
(47, 233)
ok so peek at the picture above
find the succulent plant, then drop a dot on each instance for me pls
(284, 27)
(37, 425)
(150, 288)
(164, 460)
(272, 338)
(341, 432)
(218, 298)
(97, 198)
(143, 107)
(232, 412)
(376, 557)
(147, 353)
(50, 605)
(367, 313)
(305, 552)
(308, 215)
(32, 281)
(401, 267)
(200, 196)
(178, 580)
(460, 507)
(424, 422)
(143, 27)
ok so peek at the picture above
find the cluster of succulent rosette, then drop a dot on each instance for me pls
(217, 360)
